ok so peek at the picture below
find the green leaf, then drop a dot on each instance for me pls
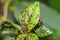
(43, 31)
(7, 31)
(28, 9)
(21, 37)
(30, 16)
(29, 36)
(32, 36)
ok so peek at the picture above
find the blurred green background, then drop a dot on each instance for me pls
(55, 4)
(50, 13)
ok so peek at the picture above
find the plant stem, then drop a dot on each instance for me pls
(6, 9)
